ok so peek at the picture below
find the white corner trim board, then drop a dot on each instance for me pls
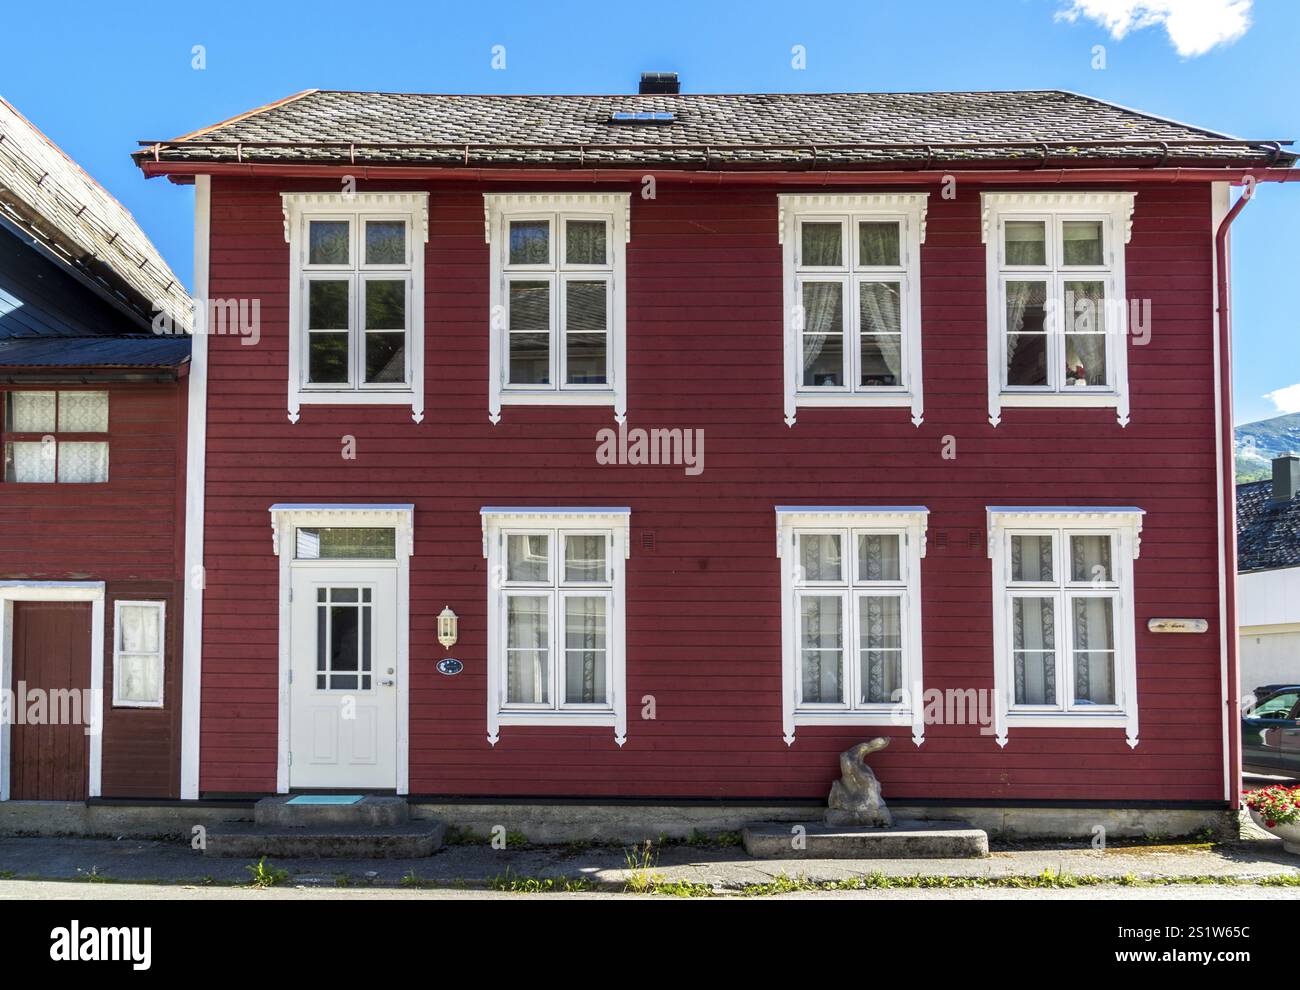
(853, 275)
(552, 526)
(286, 517)
(56, 591)
(852, 588)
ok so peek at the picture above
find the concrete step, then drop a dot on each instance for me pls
(303, 810)
(905, 839)
(405, 840)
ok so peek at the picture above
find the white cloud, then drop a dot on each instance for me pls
(1286, 399)
(1193, 26)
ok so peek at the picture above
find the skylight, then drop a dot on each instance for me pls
(641, 117)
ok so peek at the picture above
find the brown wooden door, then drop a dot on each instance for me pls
(51, 654)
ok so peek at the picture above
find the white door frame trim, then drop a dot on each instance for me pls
(285, 517)
(57, 591)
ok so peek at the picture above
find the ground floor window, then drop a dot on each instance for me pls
(138, 654)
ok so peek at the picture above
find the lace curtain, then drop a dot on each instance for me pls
(139, 654)
(584, 642)
(823, 338)
(527, 650)
(1094, 646)
(1034, 630)
(822, 646)
(880, 632)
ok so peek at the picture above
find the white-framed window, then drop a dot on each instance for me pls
(851, 615)
(558, 299)
(356, 304)
(1057, 308)
(55, 437)
(139, 646)
(852, 281)
(556, 604)
(1063, 616)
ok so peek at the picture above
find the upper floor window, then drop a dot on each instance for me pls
(853, 305)
(557, 299)
(1063, 616)
(56, 437)
(357, 299)
(556, 606)
(1057, 304)
(851, 615)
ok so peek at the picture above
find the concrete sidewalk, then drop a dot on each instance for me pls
(697, 870)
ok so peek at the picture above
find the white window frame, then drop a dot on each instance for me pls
(1115, 212)
(498, 523)
(499, 209)
(161, 608)
(909, 523)
(1124, 525)
(301, 208)
(909, 211)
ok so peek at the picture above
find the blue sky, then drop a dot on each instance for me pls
(96, 79)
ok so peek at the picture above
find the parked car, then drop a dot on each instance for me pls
(1270, 734)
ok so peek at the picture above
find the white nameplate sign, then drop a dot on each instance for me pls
(1177, 625)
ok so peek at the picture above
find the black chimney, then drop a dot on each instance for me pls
(659, 82)
(1286, 477)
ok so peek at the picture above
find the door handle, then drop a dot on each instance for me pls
(386, 682)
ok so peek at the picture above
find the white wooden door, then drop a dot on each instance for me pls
(343, 678)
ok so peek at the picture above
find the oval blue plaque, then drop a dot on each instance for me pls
(450, 666)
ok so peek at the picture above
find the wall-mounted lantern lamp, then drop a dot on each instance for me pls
(447, 625)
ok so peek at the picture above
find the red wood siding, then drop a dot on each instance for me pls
(128, 533)
(704, 308)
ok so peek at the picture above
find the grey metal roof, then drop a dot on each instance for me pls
(141, 351)
(52, 199)
(866, 130)
(1268, 532)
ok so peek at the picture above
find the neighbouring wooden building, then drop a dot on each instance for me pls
(93, 408)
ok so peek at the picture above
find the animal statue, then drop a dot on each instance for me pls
(855, 798)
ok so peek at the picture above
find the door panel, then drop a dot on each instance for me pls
(343, 689)
(49, 747)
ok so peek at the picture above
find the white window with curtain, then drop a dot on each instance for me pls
(356, 303)
(1063, 616)
(853, 300)
(558, 299)
(556, 602)
(138, 653)
(56, 437)
(1058, 311)
(851, 615)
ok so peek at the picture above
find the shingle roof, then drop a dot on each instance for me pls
(1268, 532)
(141, 351)
(51, 198)
(864, 130)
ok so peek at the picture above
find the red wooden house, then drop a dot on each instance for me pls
(732, 429)
(93, 414)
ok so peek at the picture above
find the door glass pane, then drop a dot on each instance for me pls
(530, 242)
(31, 412)
(345, 631)
(878, 245)
(584, 242)
(821, 649)
(823, 334)
(1026, 333)
(819, 557)
(385, 242)
(530, 333)
(528, 675)
(1026, 242)
(584, 559)
(345, 543)
(1034, 650)
(139, 678)
(30, 461)
(526, 557)
(1085, 337)
(880, 304)
(83, 463)
(880, 648)
(327, 242)
(878, 557)
(1081, 242)
(584, 650)
(137, 629)
(1090, 558)
(83, 412)
(585, 324)
(1031, 557)
(821, 245)
(1094, 651)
